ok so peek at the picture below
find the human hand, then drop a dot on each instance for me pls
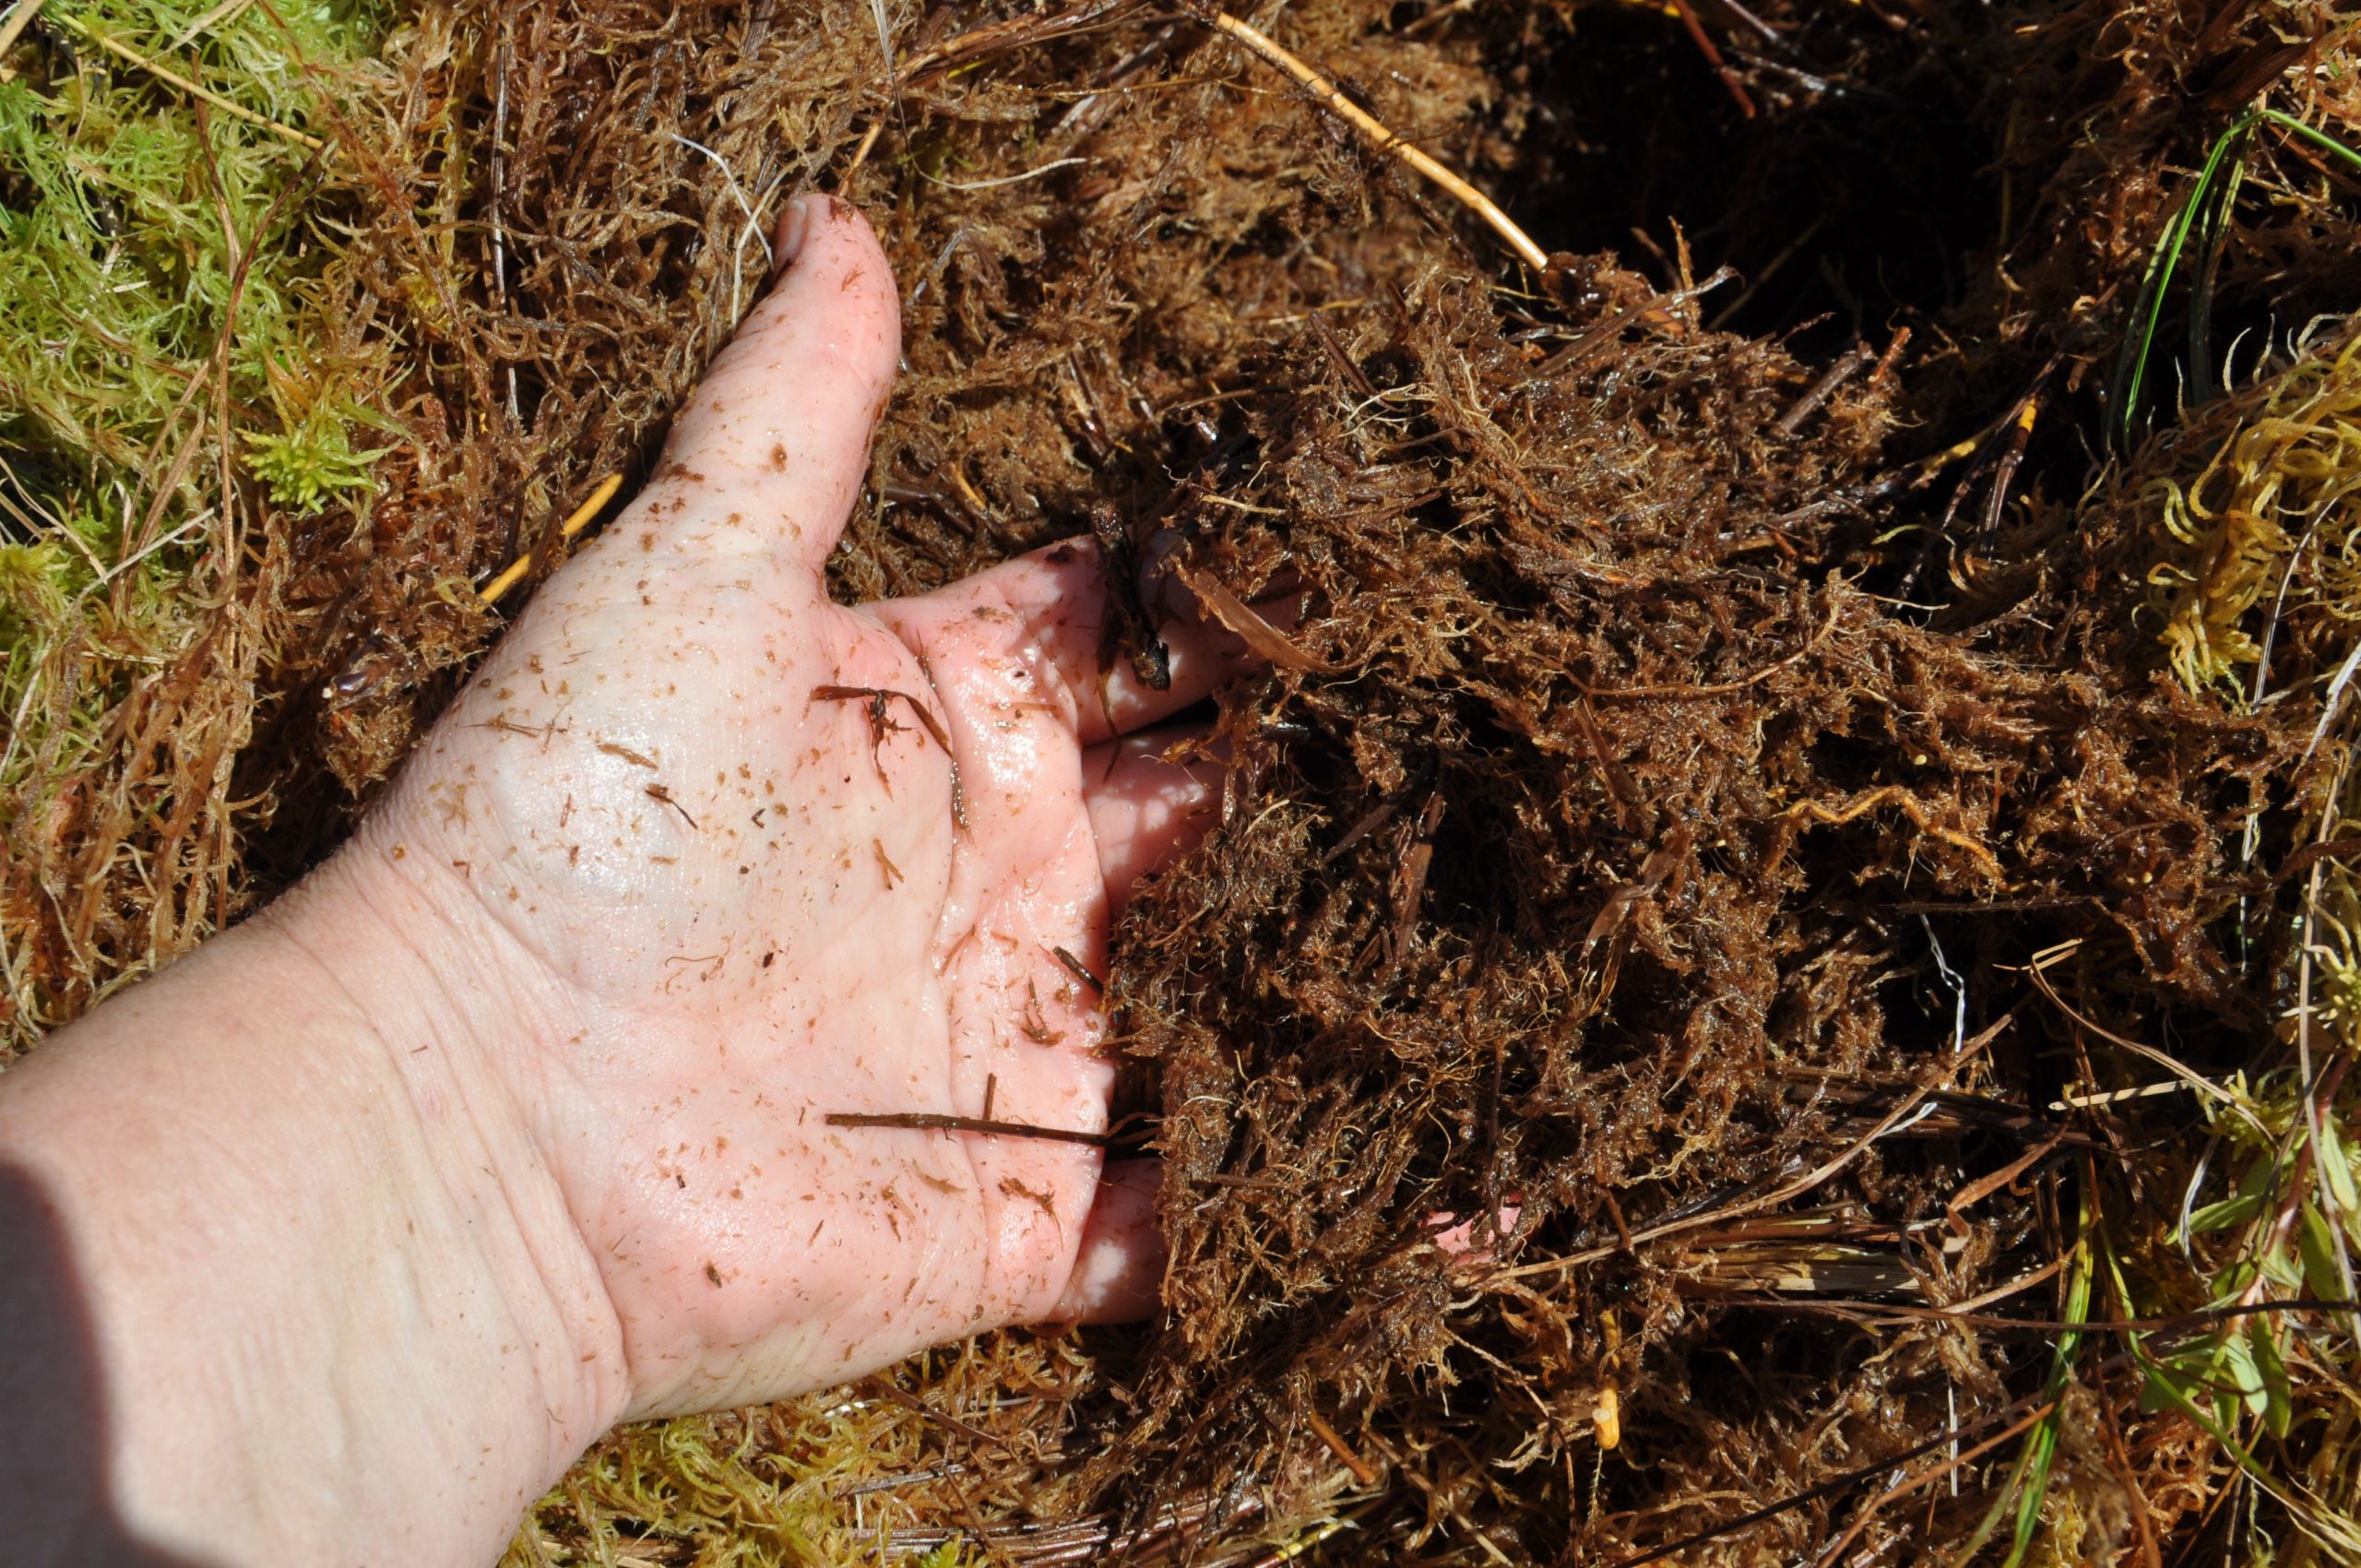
(702, 858)
(512, 1121)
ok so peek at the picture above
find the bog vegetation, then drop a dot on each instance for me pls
(1812, 799)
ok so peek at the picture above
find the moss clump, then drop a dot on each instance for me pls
(2266, 535)
(967, 1434)
(163, 258)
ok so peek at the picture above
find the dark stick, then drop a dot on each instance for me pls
(1821, 390)
(1704, 42)
(1078, 969)
(2005, 470)
(658, 792)
(933, 1122)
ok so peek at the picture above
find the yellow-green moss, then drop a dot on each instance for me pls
(166, 386)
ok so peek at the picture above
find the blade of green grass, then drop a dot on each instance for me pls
(2147, 312)
(2204, 215)
(2028, 1482)
(2212, 238)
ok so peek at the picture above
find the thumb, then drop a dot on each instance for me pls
(780, 426)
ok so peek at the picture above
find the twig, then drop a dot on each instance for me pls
(917, 1407)
(885, 48)
(1440, 13)
(958, 794)
(1097, 104)
(1249, 626)
(916, 1477)
(753, 225)
(2331, 704)
(934, 1122)
(1704, 42)
(1770, 34)
(2196, 1318)
(1341, 1449)
(1288, 1552)
(2004, 472)
(165, 74)
(2037, 969)
(861, 153)
(1891, 357)
(1895, 795)
(504, 55)
(1010, 33)
(219, 16)
(1050, 168)
(1079, 970)
(491, 592)
(1844, 370)
(2116, 1097)
(1381, 138)
(658, 794)
(874, 699)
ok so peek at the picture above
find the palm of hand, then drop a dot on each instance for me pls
(735, 882)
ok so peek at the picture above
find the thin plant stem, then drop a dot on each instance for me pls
(491, 591)
(1381, 138)
(166, 73)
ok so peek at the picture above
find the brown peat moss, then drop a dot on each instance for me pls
(1798, 807)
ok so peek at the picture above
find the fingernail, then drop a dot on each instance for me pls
(793, 224)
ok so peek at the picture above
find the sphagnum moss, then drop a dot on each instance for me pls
(171, 406)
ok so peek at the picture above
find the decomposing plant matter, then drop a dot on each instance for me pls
(1774, 975)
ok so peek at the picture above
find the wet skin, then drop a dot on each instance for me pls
(742, 857)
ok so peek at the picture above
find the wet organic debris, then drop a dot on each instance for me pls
(1763, 830)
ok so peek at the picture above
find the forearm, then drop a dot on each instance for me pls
(325, 1313)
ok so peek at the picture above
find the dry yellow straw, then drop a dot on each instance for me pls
(1385, 140)
(489, 593)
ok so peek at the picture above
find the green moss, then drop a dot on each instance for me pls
(774, 1487)
(130, 207)
(311, 462)
(168, 379)
(157, 254)
(33, 594)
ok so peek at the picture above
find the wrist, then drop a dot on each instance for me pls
(331, 1292)
(448, 1011)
